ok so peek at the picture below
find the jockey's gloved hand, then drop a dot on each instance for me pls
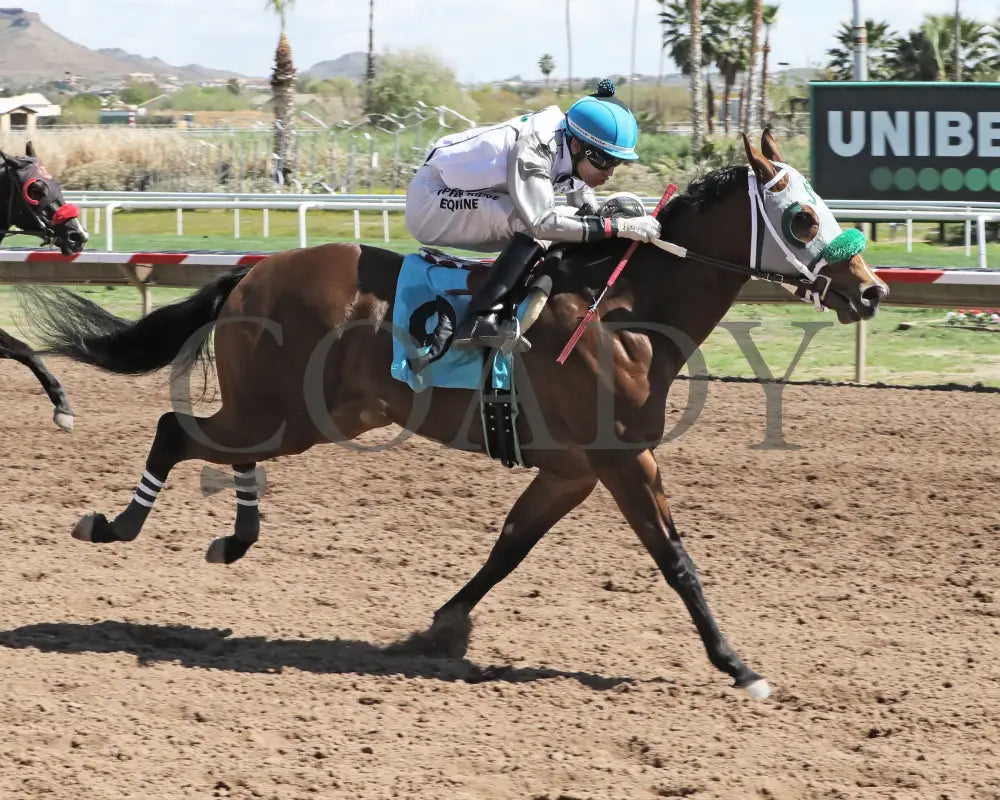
(642, 229)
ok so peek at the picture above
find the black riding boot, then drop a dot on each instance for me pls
(480, 327)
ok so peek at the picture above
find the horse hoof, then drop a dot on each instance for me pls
(226, 550)
(758, 689)
(216, 553)
(84, 529)
(64, 421)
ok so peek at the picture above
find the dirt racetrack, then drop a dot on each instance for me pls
(860, 574)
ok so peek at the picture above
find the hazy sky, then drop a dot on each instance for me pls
(480, 39)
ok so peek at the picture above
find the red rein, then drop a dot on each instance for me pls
(592, 311)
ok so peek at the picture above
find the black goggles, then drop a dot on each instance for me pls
(601, 160)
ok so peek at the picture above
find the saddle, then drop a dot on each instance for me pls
(521, 308)
(535, 288)
(433, 293)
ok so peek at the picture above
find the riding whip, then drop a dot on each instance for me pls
(592, 311)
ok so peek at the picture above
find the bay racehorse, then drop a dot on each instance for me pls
(302, 352)
(31, 202)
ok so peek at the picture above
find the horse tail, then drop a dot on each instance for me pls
(73, 326)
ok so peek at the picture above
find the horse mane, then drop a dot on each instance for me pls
(704, 190)
(598, 257)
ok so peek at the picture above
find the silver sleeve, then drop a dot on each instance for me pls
(582, 197)
(530, 187)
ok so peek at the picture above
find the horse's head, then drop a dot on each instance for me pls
(35, 203)
(801, 237)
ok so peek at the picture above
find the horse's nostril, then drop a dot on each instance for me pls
(872, 295)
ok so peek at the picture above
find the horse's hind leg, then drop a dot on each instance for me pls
(227, 549)
(548, 498)
(634, 481)
(20, 352)
(216, 440)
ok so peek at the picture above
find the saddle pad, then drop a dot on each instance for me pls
(421, 294)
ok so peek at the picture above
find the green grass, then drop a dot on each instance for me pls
(922, 355)
(926, 354)
(213, 230)
(145, 231)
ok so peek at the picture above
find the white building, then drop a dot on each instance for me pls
(23, 111)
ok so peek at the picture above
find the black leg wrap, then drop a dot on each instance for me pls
(247, 527)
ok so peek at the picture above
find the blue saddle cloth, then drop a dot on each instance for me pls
(422, 289)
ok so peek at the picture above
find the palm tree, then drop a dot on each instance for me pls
(730, 30)
(769, 18)
(959, 44)
(988, 68)
(936, 28)
(681, 20)
(569, 53)
(631, 77)
(283, 88)
(927, 54)
(912, 59)
(370, 66)
(546, 64)
(697, 95)
(881, 43)
(752, 83)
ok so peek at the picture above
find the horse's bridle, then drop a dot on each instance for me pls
(20, 200)
(760, 225)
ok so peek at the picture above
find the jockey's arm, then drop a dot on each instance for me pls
(531, 190)
(582, 198)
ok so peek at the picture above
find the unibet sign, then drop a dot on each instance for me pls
(906, 141)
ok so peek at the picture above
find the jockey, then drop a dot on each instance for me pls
(494, 187)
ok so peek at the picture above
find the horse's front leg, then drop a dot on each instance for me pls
(20, 352)
(548, 498)
(634, 481)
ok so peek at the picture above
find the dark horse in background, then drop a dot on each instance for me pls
(322, 312)
(31, 202)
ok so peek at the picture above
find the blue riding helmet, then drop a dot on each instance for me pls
(605, 122)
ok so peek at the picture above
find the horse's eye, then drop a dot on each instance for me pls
(804, 226)
(36, 191)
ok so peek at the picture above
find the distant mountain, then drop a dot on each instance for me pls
(31, 52)
(157, 66)
(350, 65)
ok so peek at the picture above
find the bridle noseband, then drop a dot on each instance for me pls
(807, 279)
(19, 200)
